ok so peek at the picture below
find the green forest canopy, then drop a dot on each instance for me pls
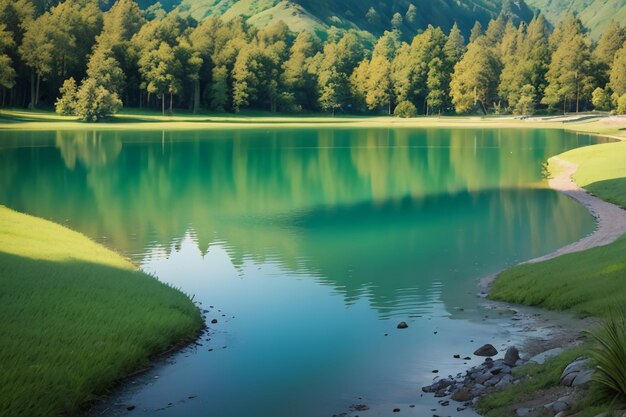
(89, 63)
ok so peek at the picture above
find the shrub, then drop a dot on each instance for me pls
(526, 103)
(405, 109)
(67, 102)
(601, 99)
(91, 102)
(610, 355)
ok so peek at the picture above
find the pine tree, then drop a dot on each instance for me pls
(477, 31)
(569, 76)
(610, 42)
(618, 72)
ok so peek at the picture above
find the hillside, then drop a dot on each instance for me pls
(370, 15)
(595, 14)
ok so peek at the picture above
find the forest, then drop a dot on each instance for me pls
(88, 62)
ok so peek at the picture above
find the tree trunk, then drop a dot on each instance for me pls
(163, 103)
(171, 103)
(37, 93)
(31, 105)
(196, 96)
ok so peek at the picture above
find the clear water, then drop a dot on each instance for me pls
(310, 245)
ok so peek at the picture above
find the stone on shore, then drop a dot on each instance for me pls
(541, 358)
(511, 356)
(486, 350)
(462, 395)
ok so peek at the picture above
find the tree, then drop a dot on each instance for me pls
(437, 84)
(405, 109)
(621, 105)
(372, 16)
(601, 99)
(66, 103)
(477, 31)
(526, 102)
(618, 72)
(570, 73)
(411, 14)
(7, 73)
(296, 76)
(396, 21)
(161, 71)
(610, 42)
(455, 46)
(106, 70)
(380, 91)
(37, 51)
(94, 102)
(475, 78)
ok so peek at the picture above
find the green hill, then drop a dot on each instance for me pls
(370, 15)
(595, 14)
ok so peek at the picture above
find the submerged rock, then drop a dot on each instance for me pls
(402, 325)
(486, 350)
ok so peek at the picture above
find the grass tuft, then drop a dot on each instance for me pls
(610, 355)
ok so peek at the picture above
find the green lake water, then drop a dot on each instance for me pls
(308, 246)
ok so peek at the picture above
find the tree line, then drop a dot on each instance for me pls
(89, 63)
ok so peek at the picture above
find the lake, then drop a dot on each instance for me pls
(308, 246)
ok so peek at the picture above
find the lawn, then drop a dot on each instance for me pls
(76, 317)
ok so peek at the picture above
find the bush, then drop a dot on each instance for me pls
(610, 356)
(601, 99)
(405, 109)
(91, 102)
(67, 102)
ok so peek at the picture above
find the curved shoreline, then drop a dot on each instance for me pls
(610, 219)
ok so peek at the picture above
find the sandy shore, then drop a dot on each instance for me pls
(611, 219)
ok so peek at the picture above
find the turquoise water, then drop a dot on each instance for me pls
(310, 245)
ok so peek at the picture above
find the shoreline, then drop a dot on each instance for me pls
(610, 219)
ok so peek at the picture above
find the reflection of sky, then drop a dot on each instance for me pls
(295, 347)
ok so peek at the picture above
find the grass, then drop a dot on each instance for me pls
(602, 170)
(589, 282)
(535, 378)
(610, 356)
(76, 317)
(144, 119)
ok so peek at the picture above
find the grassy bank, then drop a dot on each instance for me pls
(75, 317)
(135, 119)
(589, 282)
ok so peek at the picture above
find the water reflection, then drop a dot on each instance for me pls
(391, 215)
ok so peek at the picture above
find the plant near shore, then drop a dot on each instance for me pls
(610, 355)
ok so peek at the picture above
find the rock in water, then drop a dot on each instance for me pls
(486, 350)
(511, 356)
(402, 325)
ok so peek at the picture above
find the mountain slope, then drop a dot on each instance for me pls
(595, 14)
(369, 15)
